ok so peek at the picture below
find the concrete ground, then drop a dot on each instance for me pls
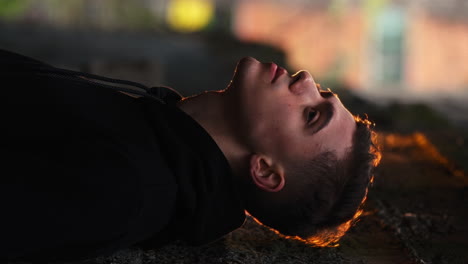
(416, 211)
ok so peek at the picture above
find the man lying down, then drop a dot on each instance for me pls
(92, 165)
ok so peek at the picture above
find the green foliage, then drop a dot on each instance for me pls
(10, 9)
(135, 15)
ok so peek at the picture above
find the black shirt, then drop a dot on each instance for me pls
(88, 170)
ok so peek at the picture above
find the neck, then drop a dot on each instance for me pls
(211, 111)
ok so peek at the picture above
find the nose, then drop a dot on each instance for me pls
(303, 82)
(326, 94)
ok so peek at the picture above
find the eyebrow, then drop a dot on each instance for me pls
(329, 111)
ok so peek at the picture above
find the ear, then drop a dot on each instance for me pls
(265, 175)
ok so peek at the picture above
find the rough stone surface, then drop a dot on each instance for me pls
(416, 212)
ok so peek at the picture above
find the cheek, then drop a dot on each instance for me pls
(284, 128)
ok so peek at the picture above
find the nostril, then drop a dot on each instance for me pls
(301, 81)
(326, 94)
(295, 78)
(298, 84)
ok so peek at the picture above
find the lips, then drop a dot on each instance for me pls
(276, 72)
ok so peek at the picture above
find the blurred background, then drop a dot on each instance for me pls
(383, 47)
(379, 49)
(403, 63)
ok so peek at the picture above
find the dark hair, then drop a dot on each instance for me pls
(328, 199)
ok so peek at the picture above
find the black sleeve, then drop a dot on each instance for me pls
(82, 174)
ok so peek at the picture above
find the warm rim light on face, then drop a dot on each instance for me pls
(331, 236)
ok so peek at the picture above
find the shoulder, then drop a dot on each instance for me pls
(167, 94)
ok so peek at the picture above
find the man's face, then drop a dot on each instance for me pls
(287, 117)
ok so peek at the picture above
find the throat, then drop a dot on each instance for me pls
(210, 110)
(205, 108)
